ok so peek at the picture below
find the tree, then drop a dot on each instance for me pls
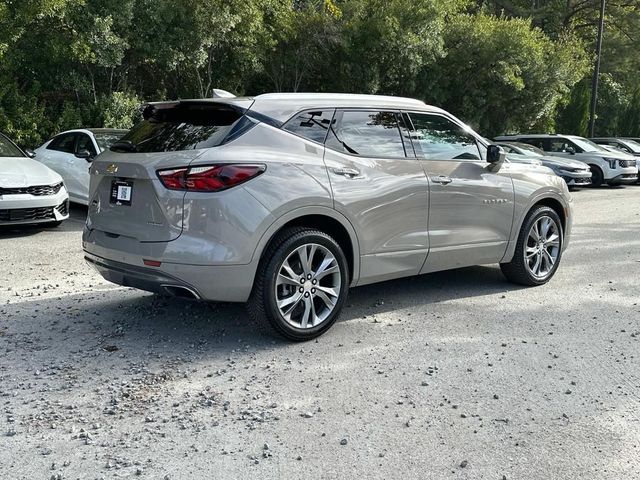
(501, 74)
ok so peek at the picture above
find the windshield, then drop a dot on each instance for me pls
(586, 145)
(631, 145)
(8, 149)
(529, 149)
(105, 140)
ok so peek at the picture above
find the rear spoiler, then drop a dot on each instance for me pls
(239, 106)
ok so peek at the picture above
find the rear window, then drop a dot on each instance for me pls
(169, 128)
(105, 140)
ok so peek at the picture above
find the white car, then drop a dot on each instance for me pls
(70, 154)
(29, 191)
(613, 168)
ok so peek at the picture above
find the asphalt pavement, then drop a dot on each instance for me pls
(455, 375)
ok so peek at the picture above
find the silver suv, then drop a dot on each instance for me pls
(285, 201)
(606, 167)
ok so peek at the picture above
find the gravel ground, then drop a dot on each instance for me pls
(449, 375)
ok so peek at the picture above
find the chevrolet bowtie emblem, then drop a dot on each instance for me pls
(113, 168)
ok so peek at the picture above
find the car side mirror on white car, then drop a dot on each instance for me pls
(86, 154)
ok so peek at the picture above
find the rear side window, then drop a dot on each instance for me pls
(436, 137)
(175, 127)
(367, 133)
(311, 125)
(63, 143)
(536, 142)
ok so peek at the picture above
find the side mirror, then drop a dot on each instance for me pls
(495, 154)
(86, 154)
(30, 153)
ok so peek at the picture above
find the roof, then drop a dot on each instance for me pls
(281, 106)
(534, 135)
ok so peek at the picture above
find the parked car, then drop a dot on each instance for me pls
(627, 145)
(573, 172)
(606, 167)
(30, 193)
(287, 200)
(70, 153)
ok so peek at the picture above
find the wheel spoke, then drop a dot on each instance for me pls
(329, 302)
(308, 311)
(285, 302)
(554, 240)
(286, 280)
(289, 270)
(535, 233)
(531, 251)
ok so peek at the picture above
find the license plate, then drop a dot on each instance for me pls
(121, 192)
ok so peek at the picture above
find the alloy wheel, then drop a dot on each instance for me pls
(308, 286)
(543, 247)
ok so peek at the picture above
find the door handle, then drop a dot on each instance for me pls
(441, 179)
(346, 172)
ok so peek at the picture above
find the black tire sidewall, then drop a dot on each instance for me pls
(272, 269)
(597, 177)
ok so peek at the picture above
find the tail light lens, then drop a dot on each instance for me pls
(209, 178)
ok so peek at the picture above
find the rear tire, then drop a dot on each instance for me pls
(539, 249)
(301, 285)
(597, 177)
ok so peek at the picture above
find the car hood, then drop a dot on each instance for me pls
(17, 172)
(526, 159)
(559, 162)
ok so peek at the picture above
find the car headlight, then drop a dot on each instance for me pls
(611, 161)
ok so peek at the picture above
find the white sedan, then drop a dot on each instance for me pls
(70, 154)
(29, 191)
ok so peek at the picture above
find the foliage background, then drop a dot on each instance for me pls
(501, 65)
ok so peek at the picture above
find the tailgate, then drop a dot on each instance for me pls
(127, 199)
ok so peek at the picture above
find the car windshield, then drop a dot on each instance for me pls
(586, 145)
(631, 145)
(8, 149)
(529, 149)
(106, 139)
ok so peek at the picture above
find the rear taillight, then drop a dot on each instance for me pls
(209, 178)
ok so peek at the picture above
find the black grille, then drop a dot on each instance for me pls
(27, 214)
(38, 191)
(63, 208)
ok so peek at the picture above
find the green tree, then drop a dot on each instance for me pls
(573, 117)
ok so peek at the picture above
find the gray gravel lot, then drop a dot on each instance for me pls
(450, 375)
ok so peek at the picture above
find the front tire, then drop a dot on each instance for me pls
(597, 177)
(539, 249)
(301, 284)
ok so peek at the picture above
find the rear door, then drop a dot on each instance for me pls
(58, 154)
(471, 206)
(78, 168)
(381, 188)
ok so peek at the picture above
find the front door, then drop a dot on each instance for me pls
(381, 188)
(471, 206)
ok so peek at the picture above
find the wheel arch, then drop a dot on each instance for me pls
(546, 198)
(321, 218)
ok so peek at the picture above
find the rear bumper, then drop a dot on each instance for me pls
(143, 278)
(125, 266)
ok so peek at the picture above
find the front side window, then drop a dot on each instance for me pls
(85, 143)
(8, 149)
(367, 133)
(436, 137)
(311, 125)
(63, 143)
(562, 145)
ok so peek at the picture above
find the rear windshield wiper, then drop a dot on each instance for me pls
(123, 146)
